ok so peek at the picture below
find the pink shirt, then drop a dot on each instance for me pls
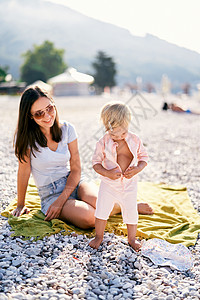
(106, 154)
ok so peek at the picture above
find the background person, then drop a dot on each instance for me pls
(176, 108)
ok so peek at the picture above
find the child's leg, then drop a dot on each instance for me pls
(99, 228)
(131, 229)
(130, 212)
(105, 203)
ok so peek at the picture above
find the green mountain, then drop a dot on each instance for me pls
(27, 22)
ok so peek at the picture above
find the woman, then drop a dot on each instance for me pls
(48, 149)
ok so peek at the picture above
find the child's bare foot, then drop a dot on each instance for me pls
(135, 244)
(95, 243)
(145, 209)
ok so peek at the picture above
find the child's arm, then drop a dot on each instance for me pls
(112, 174)
(98, 159)
(24, 171)
(142, 158)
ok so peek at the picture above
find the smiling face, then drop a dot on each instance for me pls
(118, 133)
(43, 113)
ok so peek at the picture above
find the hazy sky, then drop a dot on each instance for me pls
(175, 21)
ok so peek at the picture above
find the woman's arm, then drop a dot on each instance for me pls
(75, 171)
(73, 179)
(24, 171)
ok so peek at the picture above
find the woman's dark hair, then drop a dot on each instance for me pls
(28, 133)
(165, 106)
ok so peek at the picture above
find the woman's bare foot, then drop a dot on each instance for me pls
(135, 244)
(145, 209)
(96, 242)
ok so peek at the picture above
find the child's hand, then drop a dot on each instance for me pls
(114, 173)
(131, 171)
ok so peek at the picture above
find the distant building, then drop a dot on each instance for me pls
(12, 87)
(71, 83)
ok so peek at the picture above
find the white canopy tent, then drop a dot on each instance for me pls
(71, 83)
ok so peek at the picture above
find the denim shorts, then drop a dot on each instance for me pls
(49, 193)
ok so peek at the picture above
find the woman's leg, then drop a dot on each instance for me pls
(88, 192)
(79, 213)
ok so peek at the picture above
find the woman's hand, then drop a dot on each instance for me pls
(54, 210)
(114, 173)
(20, 210)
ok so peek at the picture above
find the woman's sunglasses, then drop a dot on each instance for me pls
(50, 109)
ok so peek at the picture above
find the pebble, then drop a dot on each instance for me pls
(16, 262)
(137, 265)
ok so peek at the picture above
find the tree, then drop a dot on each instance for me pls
(3, 73)
(105, 70)
(42, 63)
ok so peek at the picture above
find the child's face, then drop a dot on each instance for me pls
(118, 133)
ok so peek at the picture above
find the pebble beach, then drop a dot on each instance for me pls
(65, 267)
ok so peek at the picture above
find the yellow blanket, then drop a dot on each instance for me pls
(174, 219)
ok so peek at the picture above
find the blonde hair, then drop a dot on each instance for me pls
(115, 114)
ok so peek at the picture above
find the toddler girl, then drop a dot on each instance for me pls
(119, 156)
